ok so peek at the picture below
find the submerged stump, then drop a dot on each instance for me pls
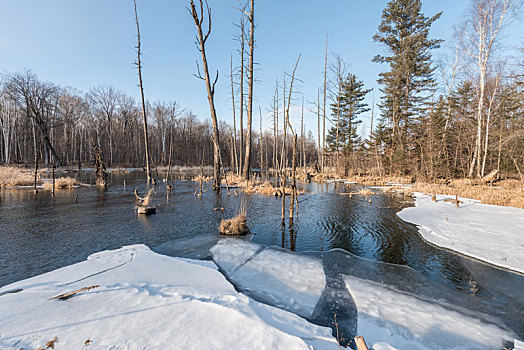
(142, 205)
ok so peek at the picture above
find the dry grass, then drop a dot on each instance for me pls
(366, 192)
(234, 226)
(13, 176)
(62, 183)
(369, 180)
(507, 193)
(204, 178)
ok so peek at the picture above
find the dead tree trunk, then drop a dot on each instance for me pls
(251, 18)
(324, 111)
(260, 143)
(288, 123)
(201, 42)
(242, 44)
(234, 149)
(293, 181)
(100, 168)
(144, 115)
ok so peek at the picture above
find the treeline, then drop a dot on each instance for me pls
(462, 117)
(60, 125)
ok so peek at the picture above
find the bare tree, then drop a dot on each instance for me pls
(480, 33)
(201, 38)
(234, 148)
(251, 44)
(324, 110)
(8, 115)
(139, 67)
(39, 102)
(105, 101)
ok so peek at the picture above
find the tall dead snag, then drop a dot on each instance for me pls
(293, 180)
(144, 115)
(234, 159)
(169, 176)
(200, 42)
(293, 161)
(324, 111)
(251, 44)
(100, 168)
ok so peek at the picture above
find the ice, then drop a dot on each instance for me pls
(146, 300)
(394, 320)
(291, 282)
(490, 233)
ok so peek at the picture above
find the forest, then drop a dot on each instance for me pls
(460, 117)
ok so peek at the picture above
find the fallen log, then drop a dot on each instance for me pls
(490, 177)
(361, 344)
(68, 295)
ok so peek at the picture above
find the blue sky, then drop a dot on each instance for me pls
(84, 43)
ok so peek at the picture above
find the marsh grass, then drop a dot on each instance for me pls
(506, 193)
(62, 183)
(13, 176)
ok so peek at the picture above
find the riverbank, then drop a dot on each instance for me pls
(490, 233)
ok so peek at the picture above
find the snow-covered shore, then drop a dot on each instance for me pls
(489, 233)
(146, 300)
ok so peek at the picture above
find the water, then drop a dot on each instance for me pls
(39, 233)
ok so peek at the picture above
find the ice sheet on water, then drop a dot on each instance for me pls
(291, 282)
(404, 321)
(506, 311)
(487, 232)
(393, 305)
(195, 247)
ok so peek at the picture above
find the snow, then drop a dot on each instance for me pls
(390, 319)
(292, 282)
(490, 233)
(146, 300)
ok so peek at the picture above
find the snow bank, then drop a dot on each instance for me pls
(146, 300)
(289, 281)
(490, 233)
(390, 319)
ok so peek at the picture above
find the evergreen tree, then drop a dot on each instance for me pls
(351, 103)
(404, 31)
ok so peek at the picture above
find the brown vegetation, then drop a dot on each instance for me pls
(62, 183)
(13, 176)
(506, 193)
(234, 226)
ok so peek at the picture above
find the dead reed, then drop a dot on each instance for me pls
(13, 176)
(62, 183)
(506, 193)
(234, 226)
(238, 224)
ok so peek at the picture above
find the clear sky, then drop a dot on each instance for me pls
(84, 43)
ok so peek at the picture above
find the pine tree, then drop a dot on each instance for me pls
(404, 31)
(351, 104)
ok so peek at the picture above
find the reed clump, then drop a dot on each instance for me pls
(234, 226)
(365, 192)
(202, 178)
(13, 176)
(62, 183)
